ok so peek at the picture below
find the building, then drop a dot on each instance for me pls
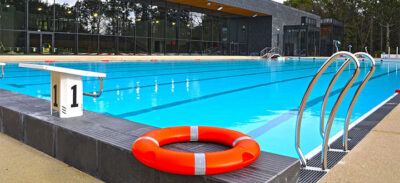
(302, 40)
(142, 27)
(331, 31)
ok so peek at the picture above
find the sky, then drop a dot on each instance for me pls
(280, 1)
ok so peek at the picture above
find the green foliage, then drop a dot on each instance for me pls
(367, 23)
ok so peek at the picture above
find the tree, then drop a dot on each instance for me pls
(363, 19)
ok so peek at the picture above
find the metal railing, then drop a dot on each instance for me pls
(268, 52)
(2, 72)
(355, 97)
(353, 101)
(100, 90)
(351, 58)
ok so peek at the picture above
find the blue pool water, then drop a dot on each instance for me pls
(259, 98)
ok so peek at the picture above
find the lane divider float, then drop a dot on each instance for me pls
(148, 150)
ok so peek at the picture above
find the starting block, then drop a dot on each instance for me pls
(66, 88)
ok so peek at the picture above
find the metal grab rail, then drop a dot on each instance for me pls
(337, 103)
(100, 91)
(270, 50)
(328, 91)
(2, 72)
(365, 80)
(355, 97)
(334, 110)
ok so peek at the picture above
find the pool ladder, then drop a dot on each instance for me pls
(325, 133)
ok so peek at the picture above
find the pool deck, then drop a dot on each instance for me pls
(22, 163)
(80, 58)
(100, 145)
(375, 159)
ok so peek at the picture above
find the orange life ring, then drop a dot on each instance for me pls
(147, 149)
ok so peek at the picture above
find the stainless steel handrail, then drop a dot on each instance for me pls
(308, 91)
(355, 97)
(328, 91)
(100, 91)
(359, 54)
(335, 108)
(2, 72)
(270, 50)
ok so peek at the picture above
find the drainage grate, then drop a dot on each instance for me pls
(333, 158)
(310, 176)
(355, 136)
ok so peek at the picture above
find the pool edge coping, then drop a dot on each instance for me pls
(34, 118)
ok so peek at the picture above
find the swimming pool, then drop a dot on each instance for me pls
(259, 98)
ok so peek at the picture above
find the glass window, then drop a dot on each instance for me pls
(243, 33)
(185, 25)
(243, 48)
(126, 45)
(157, 47)
(172, 23)
(65, 44)
(107, 45)
(12, 42)
(207, 28)
(196, 25)
(142, 47)
(184, 47)
(88, 44)
(142, 20)
(218, 27)
(196, 47)
(108, 17)
(65, 15)
(12, 14)
(171, 47)
(208, 48)
(41, 14)
(127, 20)
(89, 16)
(157, 14)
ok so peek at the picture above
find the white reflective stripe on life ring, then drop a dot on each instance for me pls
(239, 139)
(199, 164)
(148, 138)
(194, 133)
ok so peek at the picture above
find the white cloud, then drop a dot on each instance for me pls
(279, 1)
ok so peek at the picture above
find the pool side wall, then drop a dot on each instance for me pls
(100, 145)
(86, 58)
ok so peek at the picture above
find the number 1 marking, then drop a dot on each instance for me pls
(74, 104)
(55, 96)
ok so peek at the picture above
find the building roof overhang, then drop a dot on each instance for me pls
(215, 6)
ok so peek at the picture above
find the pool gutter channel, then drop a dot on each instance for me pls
(357, 131)
(100, 145)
